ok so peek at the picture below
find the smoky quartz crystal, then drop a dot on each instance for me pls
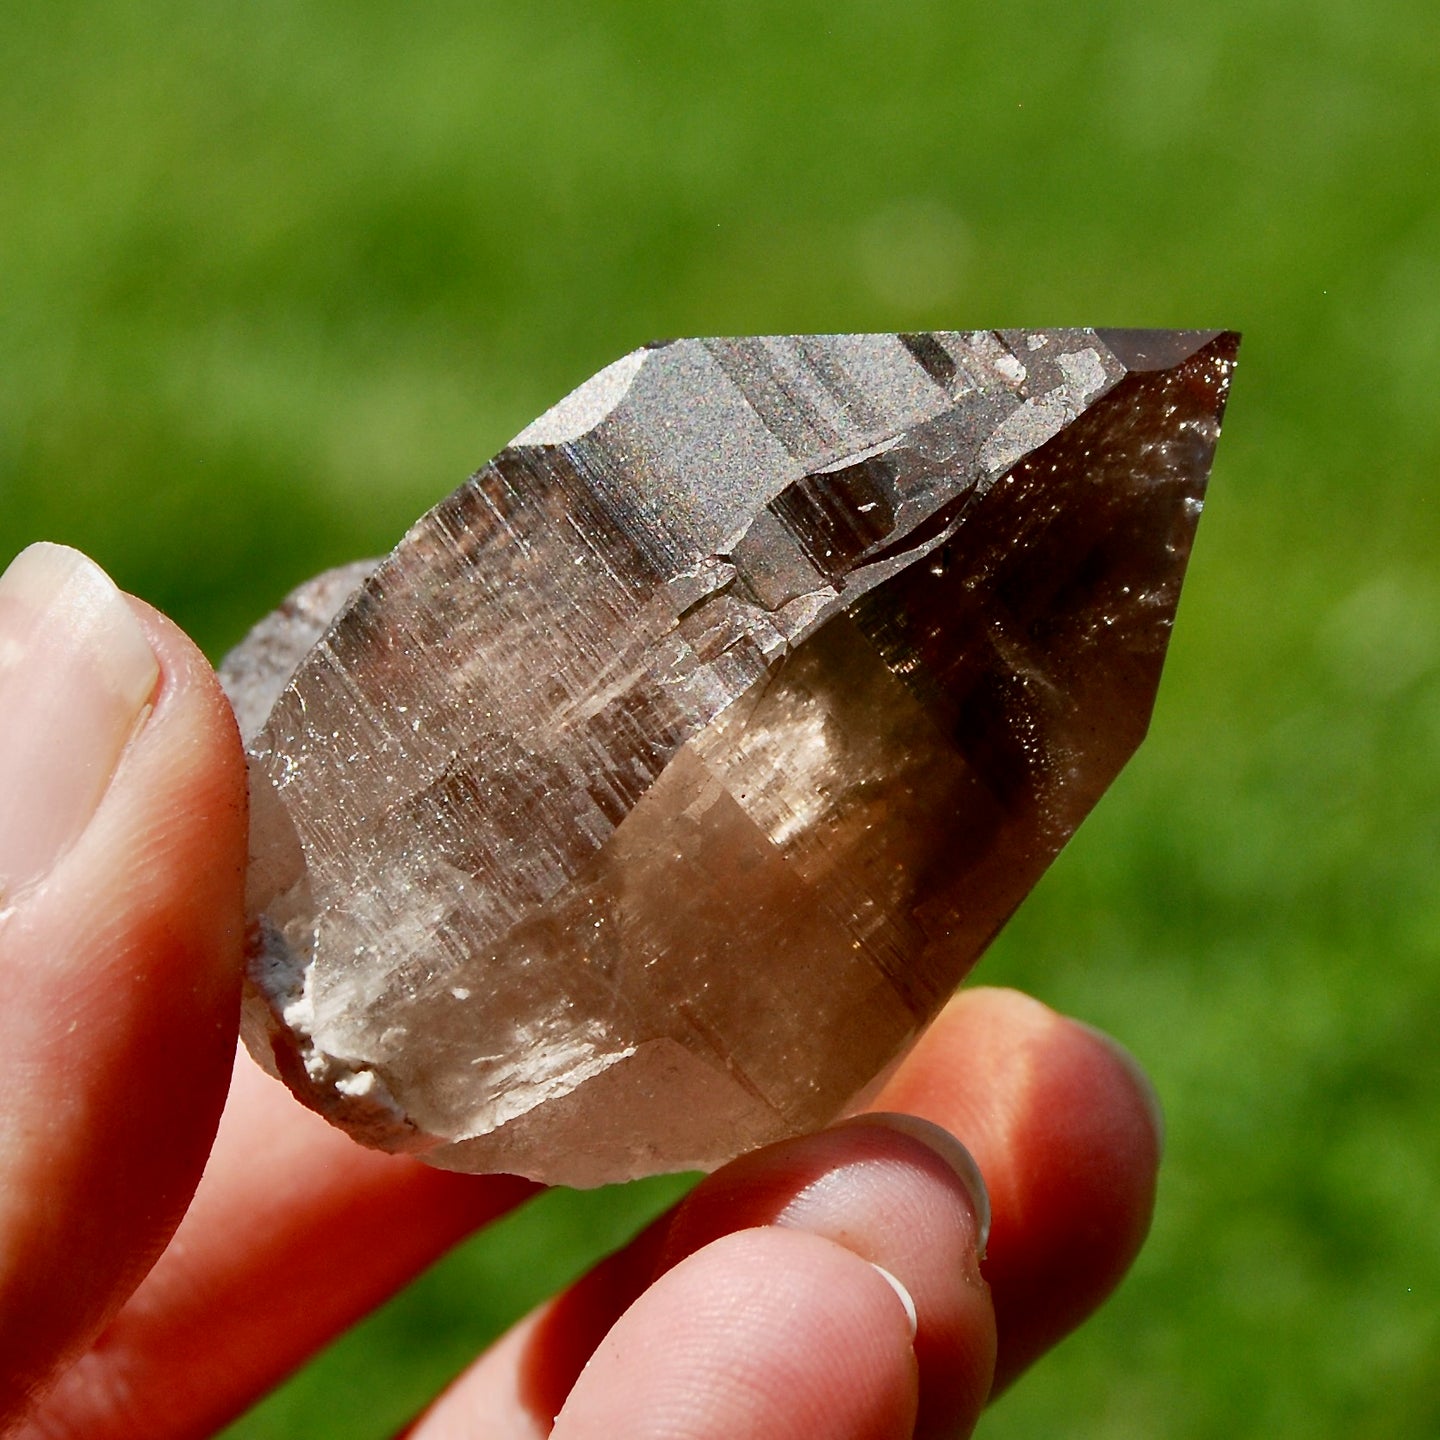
(647, 801)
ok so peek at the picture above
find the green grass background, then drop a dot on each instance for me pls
(274, 276)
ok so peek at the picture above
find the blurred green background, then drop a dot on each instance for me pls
(275, 276)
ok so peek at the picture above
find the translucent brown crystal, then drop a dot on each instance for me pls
(647, 801)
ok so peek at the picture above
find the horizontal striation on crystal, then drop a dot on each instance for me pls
(645, 803)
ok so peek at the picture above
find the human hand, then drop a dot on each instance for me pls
(754, 1309)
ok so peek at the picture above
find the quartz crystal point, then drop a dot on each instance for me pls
(647, 801)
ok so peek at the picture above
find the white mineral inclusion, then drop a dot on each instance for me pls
(1084, 373)
(583, 409)
(1010, 368)
(1040, 418)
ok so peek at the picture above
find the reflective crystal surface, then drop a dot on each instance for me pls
(645, 803)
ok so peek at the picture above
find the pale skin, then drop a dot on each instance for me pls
(139, 1299)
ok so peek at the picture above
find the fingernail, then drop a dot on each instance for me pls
(76, 679)
(1143, 1083)
(906, 1298)
(952, 1152)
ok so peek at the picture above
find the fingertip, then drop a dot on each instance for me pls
(1144, 1086)
(769, 1333)
(900, 1193)
(1066, 1131)
(952, 1152)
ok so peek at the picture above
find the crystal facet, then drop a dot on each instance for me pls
(645, 803)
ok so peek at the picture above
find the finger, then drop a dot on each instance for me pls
(767, 1333)
(1067, 1132)
(122, 845)
(330, 1230)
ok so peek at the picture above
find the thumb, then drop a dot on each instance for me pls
(122, 851)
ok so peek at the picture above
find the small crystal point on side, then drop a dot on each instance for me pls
(651, 797)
